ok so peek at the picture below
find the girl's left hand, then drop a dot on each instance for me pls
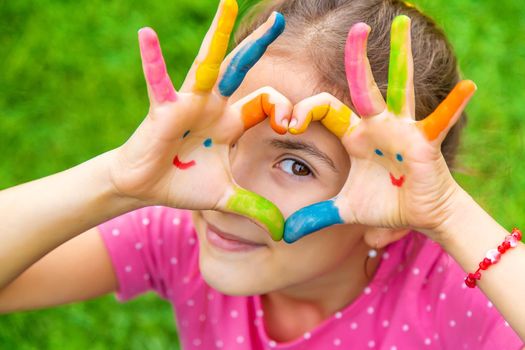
(398, 176)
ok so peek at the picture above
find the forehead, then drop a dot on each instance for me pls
(293, 78)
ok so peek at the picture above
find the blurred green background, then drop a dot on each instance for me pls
(71, 87)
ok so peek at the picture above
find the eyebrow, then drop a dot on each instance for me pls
(311, 149)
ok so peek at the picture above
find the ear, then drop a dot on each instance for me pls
(377, 237)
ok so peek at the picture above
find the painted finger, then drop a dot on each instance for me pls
(159, 83)
(365, 94)
(400, 92)
(332, 113)
(243, 58)
(205, 70)
(263, 103)
(437, 124)
(311, 219)
(257, 208)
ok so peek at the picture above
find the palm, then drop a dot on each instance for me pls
(179, 155)
(398, 176)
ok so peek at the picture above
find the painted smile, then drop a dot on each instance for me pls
(182, 165)
(397, 182)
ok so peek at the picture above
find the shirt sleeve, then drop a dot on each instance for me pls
(149, 248)
(467, 318)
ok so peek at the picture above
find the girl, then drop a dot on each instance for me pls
(232, 283)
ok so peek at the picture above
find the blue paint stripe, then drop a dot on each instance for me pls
(310, 219)
(248, 56)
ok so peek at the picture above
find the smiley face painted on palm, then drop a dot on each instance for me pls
(207, 143)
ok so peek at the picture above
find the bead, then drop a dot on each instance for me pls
(501, 249)
(477, 275)
(471, 283)
(513, 241)
(483, 265)
(372, 253)
(517, 233)
(493, 255)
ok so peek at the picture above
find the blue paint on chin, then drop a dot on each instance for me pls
(248, 56)
(207, 143)
(310, 219)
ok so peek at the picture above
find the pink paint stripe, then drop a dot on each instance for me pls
(155, 67)
(357, 69)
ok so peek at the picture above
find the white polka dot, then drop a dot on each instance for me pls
(174, 261)
(386, 323)
(234, 313)
(197, 342)
(337, 342)
(307, 335)
(371, 344)
(259, 313)
(452, 323)
(115, 232)
(469, 313)
(368, 290)
(176, 221)
(128, 268)
(240, 339)
(191, 241)
(190, 302)
(393, 347)
(272, 343)
(386, 255)
(429, 308)
(507, 324)
(338, 314)
(428, 341)
(415, 271)
(489, 304)
(442, 296)
(463, 285)
(353, 325)
(370, 310)
(219, 344)
(202, 317)
(405, 328)
(138, 246)
(145, 221)
(146, 276)
(440, 269)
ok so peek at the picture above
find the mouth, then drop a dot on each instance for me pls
(228, 242)
(397, 182)
(182, 165)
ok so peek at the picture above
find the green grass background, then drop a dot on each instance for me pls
(71, 87)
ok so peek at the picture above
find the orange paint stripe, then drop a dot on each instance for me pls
(438, 121)
(259, 109)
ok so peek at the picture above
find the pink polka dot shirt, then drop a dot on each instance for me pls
(416, 299)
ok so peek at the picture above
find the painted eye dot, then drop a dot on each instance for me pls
(379, 153)
(399, 157)
(207, 143)
(186, 134)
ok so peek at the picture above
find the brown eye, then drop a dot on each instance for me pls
(294, 167)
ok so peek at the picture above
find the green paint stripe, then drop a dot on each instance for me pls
(249, 204)
(398, 69)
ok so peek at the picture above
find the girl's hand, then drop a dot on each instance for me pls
(179, 155)
(398, 176)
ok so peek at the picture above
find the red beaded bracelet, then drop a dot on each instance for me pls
(493, 256)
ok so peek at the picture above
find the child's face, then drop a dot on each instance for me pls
(292, 172)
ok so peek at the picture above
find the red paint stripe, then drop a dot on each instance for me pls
(182, 165)
(397, 182)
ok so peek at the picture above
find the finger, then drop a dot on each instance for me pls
(262, 103)
(400, 92)
(242, 59)
(255, 207)
(365, 94)
(205, 70)
(310, 219)
(437, 124)
(332, 113)
(159, 83)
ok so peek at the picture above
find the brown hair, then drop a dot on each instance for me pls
(318, 29)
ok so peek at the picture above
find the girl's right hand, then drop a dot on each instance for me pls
(179, 155)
